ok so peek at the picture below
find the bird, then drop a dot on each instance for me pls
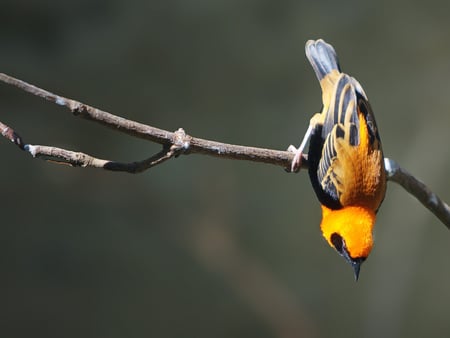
(345, 158)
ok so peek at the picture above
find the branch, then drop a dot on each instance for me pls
(188, 144)
(79, 159)
(178, 142)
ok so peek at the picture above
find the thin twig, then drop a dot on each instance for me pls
(178, 142)
(79, 159)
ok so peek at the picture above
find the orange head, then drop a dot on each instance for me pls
(349, 231)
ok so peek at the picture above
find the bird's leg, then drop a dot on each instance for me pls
(298, 152)
(297, 161)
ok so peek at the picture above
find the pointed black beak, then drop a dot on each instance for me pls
(356, 265)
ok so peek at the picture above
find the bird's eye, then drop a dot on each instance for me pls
(338, 242)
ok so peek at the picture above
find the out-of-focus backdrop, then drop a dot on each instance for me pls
(203, 247)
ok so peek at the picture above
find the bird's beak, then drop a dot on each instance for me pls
(354, 262)
(356, 265)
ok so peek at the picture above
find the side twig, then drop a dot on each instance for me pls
(178, 142)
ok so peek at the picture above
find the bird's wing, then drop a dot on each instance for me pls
(341, 129)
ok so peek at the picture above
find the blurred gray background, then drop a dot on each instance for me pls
(203, 247)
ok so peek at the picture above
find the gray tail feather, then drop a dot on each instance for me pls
(322, 57)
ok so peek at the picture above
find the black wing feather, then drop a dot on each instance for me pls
(341, 122)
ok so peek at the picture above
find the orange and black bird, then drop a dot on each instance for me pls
(345, 159)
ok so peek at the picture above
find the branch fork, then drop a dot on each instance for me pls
(178, 142)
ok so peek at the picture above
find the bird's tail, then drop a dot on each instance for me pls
(322, 57)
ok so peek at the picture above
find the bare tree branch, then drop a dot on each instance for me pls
(164, 137)
(79, 159)
(178, 142)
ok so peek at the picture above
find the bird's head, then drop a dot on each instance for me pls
(349, 231)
